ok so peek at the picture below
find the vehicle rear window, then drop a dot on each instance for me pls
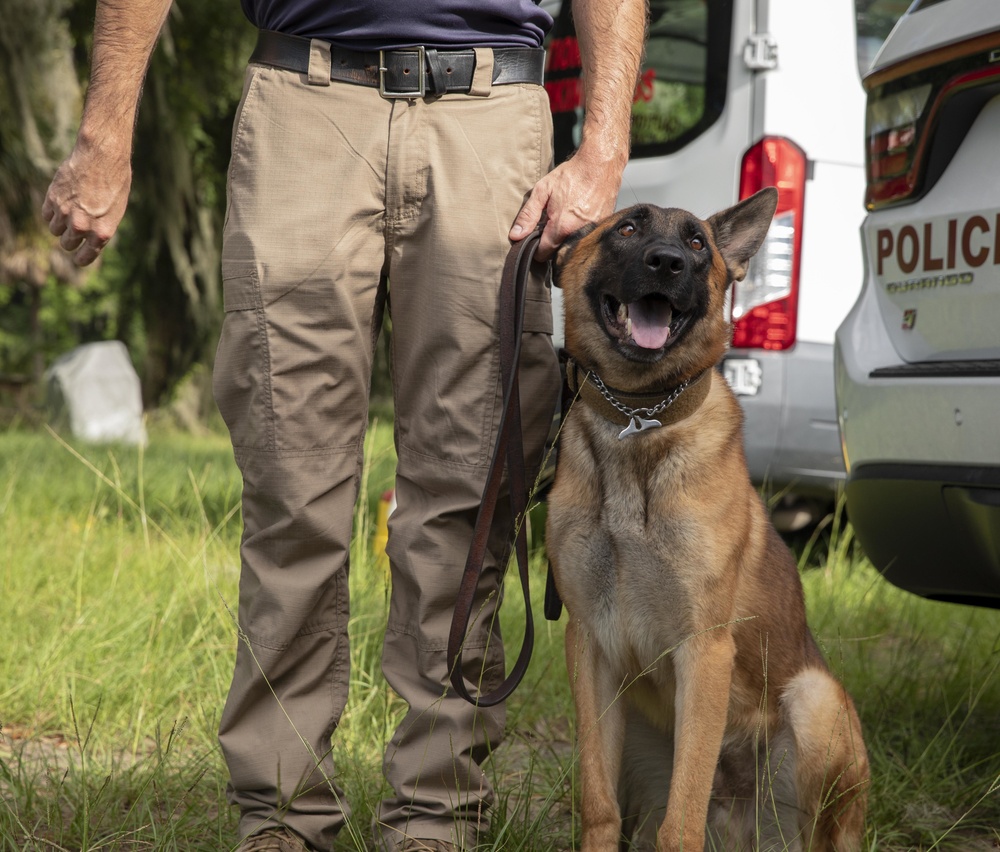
(682, 85)
(876, 18)
(923, 4)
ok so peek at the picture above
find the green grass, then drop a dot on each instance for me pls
(118, 578)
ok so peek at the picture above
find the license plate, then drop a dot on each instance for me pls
(743, 374)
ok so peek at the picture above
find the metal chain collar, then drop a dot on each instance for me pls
(631, 413)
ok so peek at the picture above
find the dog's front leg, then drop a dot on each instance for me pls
(703, 667)
(600, 717)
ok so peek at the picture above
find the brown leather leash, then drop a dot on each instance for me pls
(509, 452)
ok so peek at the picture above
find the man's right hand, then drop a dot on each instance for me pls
(87, 198)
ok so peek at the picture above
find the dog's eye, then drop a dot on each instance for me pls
(627, 229)
(697, 243)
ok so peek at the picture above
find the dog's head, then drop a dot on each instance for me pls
(644, 290)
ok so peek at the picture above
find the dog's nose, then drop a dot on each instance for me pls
(664, 259)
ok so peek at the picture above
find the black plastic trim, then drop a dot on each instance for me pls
(955, 120)
(931, 529)
(939, 370)
(974, 476)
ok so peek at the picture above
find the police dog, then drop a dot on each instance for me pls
(706, 716)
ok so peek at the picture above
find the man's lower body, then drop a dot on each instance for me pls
(336, 197)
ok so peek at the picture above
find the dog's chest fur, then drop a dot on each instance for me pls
(635, 543)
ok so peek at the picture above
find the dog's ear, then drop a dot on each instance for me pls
(565, 250)
(740, 230)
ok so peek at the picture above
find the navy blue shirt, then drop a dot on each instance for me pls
(382, 24)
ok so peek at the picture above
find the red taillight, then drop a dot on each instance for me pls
(891, 128)
(899, 124)
(765, 303)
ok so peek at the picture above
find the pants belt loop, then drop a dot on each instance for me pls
(482, 79)
(319, 63)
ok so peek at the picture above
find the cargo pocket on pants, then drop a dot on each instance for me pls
(537, 315)
(242, 375)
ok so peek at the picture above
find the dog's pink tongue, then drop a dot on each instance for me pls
(650, 323)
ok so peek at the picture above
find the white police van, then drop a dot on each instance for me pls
(735, 95)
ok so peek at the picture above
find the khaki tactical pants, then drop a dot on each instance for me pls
(336, 198)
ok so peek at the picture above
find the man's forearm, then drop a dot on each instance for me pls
(89, 191)
(125, 33)
(583, 189)
(611, 34)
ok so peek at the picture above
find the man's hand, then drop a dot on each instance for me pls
(577, 192)
(86, 199)
(584, 188)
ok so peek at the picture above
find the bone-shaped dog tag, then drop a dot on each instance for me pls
(636, 425)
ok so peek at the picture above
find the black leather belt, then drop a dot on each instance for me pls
(410, 72)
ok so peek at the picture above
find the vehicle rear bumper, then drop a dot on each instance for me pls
(931, 529)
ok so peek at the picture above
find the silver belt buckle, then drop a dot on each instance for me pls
(421, 60)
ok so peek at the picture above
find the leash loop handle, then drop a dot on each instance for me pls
(509, 449)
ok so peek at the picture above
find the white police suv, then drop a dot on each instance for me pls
(918, 357)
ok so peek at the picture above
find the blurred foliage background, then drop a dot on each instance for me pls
(157, 287)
